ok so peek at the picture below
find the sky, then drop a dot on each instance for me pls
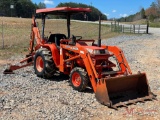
(111, 8)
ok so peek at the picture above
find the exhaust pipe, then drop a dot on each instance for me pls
(99, 37)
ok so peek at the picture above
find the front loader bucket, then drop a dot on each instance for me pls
(123, 90)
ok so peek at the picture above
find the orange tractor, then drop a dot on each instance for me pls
(103, 68)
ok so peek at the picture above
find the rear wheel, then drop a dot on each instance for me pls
(43, 63)
(79, 79)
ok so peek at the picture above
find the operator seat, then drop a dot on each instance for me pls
(55, 38)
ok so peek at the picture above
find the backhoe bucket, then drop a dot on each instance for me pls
(123, 90)
(8, 71)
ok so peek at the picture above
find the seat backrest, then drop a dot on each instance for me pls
(55, 38)
(59, 37)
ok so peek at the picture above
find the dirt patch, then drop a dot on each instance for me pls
(4, 62)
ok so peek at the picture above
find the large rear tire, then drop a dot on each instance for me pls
(79, 79)
(43, 63)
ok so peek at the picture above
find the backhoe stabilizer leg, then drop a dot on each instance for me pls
(24, 63)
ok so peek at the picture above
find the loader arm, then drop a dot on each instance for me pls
(84, 55)
(118, 53)
(90, 68)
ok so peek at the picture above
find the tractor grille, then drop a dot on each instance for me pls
(102, 51)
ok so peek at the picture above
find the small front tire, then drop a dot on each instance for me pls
(79, 79)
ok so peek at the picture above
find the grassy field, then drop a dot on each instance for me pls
(154, 24)
(16, 32)
(144, 22)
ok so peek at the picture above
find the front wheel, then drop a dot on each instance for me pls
(79, 79)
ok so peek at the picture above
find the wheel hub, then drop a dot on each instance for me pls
(76, 79)
(39, 64)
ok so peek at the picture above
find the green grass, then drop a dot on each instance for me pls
(154, 24)
(141, 22)
(144, 22)
(17, 33)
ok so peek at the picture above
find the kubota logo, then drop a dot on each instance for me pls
(73, 48)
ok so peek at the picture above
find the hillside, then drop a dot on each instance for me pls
(152, 14)
(91, 16)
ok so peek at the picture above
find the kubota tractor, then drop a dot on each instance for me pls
(103, 67)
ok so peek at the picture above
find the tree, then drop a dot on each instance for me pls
(22, 8)
(25, 8)
(151, 17)
(158, 4)
(153, 5)
(92, 16)
(143, 16)
(41, 5)
(5, 7)
(158, 7)
(153, 11)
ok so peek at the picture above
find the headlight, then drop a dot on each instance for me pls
(100, 52)
(96, 52)
(90, 50)
(106, 51)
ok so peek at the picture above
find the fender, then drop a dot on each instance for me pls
(55, 53)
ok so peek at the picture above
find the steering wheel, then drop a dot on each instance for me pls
(74, 38)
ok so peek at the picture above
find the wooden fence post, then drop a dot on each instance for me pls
(111, 26)
(118, 27)
(133, 28)
(147, 27)
(139, 29)
(123, 28)
(114, 26)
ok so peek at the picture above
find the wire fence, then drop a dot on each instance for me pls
(13, 31)
(2, 36)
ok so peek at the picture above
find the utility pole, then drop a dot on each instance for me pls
(11, 7)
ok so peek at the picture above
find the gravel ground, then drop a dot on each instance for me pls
(25, 96)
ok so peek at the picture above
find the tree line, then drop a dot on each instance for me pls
(91, 16)
(25, 9)
(151, 13)
(19, 8)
